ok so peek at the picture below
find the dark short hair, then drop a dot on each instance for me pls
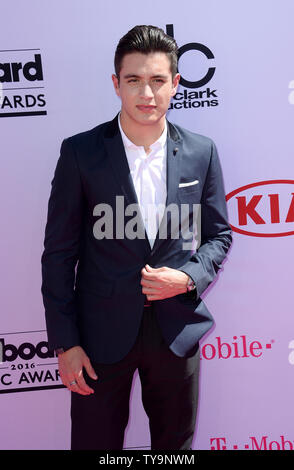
(146, 39)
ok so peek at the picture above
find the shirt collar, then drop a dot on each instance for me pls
(158, 144)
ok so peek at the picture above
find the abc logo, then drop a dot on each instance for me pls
(190, 47)
(25, 351)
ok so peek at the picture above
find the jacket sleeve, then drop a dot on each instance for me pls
(61, 251)
(216, 233)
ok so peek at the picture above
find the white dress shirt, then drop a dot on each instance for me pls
(149, 178)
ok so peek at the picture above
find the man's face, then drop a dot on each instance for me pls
(145, 87)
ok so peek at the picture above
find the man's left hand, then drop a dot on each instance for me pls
(161, 283)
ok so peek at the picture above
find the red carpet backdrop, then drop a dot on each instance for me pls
(237, 87)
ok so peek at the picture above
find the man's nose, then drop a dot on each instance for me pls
(146, 91)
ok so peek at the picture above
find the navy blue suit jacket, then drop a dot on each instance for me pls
(91, 287)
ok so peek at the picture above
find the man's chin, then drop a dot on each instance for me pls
(141, 119)
(149, 119)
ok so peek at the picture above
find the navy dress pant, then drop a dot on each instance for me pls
(169, 395)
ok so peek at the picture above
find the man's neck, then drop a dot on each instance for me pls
(142, 135)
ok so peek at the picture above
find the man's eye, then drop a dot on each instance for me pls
(132, 80)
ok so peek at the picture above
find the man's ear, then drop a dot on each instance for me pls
(176, 81)
(115, 84)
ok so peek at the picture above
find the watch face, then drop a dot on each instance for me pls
(59, 351)
(191, 285)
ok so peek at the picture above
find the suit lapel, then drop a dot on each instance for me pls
(174, 155)
(119, 163)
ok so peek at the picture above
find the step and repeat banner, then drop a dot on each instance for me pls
(237, 87)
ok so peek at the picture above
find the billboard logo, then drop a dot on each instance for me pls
(22, 83)
(26, 363)
(14, 71)
(263, 209)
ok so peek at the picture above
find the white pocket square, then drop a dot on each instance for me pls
(191, 183)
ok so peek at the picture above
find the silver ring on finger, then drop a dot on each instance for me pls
(73, 382)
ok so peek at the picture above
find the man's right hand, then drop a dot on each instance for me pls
(71, 363)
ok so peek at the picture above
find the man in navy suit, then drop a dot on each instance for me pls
(122, 283)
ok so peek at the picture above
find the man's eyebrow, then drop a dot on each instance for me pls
(133, 75)
(160, 76)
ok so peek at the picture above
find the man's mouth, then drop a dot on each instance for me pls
(145, 107)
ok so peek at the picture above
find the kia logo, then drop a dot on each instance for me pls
(263, 209)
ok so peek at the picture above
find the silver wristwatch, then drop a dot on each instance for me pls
(59, 351)
(191, 285)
